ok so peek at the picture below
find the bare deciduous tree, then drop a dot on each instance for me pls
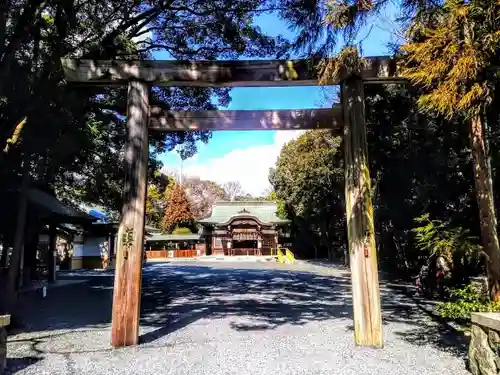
(233, 189)
(203, 194)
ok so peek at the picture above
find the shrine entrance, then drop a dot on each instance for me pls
(245, 247)
(246, 238)
(141, 118)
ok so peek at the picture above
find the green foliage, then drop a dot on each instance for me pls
(421, 162)
(154, 202)
(466, 301)
(450, 55)
(308, 181)
(182, 230)
(438, 238)
(74, 137)
(280, 205)
(272, 196)
(157, 195)
(418, 163)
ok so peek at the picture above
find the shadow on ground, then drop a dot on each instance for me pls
(15, 365)
(176, 296)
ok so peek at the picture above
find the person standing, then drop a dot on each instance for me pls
(442, 272)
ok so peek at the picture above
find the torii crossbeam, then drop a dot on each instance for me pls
(139, 75)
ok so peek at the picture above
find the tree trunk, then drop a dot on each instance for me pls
(30, 250)
(484, 196)
(10, 296)
(51, 255)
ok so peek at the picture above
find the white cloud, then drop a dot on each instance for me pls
(249, 166)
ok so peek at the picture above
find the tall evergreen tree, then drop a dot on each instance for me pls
(309, 185)
(453, 60)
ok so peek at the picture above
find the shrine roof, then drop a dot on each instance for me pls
(224, 211)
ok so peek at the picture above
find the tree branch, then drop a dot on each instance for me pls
(24, 26)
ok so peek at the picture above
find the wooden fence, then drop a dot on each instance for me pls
(163, 254)
(251, 252)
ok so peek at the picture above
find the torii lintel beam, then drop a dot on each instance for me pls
(307, 119)
(238, 73)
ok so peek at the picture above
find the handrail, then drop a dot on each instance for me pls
(281, 255)
(290, 256)
(284, 255)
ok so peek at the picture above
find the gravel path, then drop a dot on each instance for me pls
(212, 319)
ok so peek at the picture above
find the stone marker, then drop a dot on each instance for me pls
(4, 322)
(480, 286)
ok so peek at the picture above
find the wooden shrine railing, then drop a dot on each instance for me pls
(185, 253)
(251, 252)
(163, 254)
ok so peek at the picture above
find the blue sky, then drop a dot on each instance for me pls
(247, 156)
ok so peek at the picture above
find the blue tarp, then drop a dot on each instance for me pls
(98, 215)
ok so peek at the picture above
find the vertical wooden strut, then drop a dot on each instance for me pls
(52, 253)
(359, 214)
(128, 274)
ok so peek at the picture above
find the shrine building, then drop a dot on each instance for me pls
(248, 228)
(239, 228)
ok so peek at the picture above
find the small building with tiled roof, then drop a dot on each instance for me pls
(242, 228)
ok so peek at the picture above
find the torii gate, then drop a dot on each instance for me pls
(350, 116)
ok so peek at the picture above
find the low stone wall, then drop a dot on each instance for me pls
(484, 347)
(4, 322)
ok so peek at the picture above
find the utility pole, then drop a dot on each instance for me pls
(180, 174)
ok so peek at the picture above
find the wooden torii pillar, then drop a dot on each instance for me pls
(359, 215)
(138, 75)
(128, 266)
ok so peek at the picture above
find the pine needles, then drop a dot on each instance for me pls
(450, 58)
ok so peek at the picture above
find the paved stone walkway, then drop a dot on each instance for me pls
(214, 319)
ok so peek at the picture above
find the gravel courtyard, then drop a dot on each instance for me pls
(215, 319)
